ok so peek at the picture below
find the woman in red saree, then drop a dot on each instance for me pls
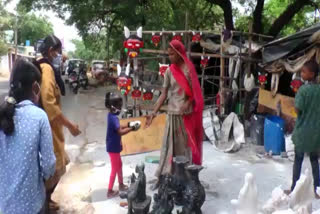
(183, 132)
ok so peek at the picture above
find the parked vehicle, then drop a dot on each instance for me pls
(72, 64)
(99, 70)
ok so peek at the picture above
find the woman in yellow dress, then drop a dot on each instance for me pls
(51, 103)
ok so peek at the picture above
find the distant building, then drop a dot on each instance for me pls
(7, 61)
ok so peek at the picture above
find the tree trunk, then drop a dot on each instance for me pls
(226, 6)
(287, 16)
(257, 26)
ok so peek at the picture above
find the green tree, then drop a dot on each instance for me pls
(271, 17)
(108, 17)
(32, 27)
(92, 48)
(5, 22)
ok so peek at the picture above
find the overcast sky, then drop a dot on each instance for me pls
(61, 30)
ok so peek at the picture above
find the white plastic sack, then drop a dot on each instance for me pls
(249, 82)
(231, 145)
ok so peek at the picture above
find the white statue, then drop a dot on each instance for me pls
(278, 201)
(247, 202)
(303, 193)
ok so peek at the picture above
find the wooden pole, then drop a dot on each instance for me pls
(192, 54)
(205, 32)
(202, 75)
(164, 47)
(250, 48)
(221, 75)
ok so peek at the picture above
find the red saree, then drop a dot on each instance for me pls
(193, 121)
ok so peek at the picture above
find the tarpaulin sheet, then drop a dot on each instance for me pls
(289, 45)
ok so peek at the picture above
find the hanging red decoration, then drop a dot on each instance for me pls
(147, 94)
(196, 37)
(163, 68)
(156, 39)
(295, 85)
(204, 61)
(133, 44)
(124, 85)
(136, 93)
(262, 78)
(177, 37)
(124, 81)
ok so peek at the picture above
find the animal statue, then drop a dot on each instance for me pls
(164, 199)
(303, 193)
(138, 201)
(247, 202)
(163, 68)
(133, 43)
(124, 81)
(278, 201)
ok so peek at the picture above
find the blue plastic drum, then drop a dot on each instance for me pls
(274, 140)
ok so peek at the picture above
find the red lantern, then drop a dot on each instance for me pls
(262, 78)
(204, 61)
(136, 93)
(155, 39)
(196, 37)
(296, 84)
(163, 68)
(147, 94)
(177, 37)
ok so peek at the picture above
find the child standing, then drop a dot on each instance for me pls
(113, 102)
(306, 136)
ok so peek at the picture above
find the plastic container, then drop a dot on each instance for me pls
(274, 141)
(257, 129)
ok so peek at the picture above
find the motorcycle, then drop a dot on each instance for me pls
(73, 81)
(83, 78)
